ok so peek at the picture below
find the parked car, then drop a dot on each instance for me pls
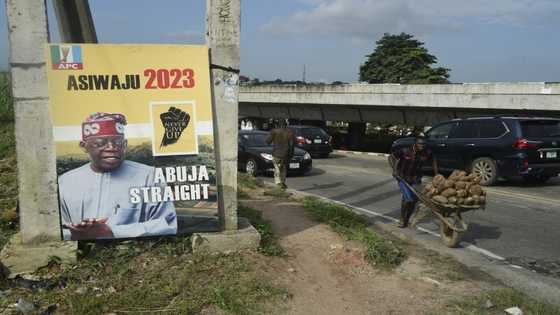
(255, 155)
(497, 147)
(313, 140)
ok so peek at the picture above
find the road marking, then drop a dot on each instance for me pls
(523, 196)
(359, 152)
(378, 171)
(493, 190)
(468, 246)
(483, 251)
(360, 170)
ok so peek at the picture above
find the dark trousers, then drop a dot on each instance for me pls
(407, 208)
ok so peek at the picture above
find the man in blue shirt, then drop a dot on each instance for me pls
(407, 163)
(95, 198)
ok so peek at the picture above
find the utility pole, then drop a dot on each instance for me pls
(39, 237)
(222, 36)
(36, 162)
(303, 73)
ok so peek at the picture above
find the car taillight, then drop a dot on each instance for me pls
(300, 140)
(521, 143)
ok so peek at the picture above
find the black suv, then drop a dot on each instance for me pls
(313, 140)
(495, 147)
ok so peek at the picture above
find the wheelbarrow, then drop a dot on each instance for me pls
(452, 225)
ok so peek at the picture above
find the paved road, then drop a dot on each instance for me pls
(521, 224)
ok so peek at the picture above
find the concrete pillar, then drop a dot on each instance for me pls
(75, 23)
(38, 204)
(222, 36)
(356, 134)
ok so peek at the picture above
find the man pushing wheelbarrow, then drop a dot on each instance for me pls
(407, 163)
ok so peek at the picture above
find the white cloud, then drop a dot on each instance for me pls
(366, 19)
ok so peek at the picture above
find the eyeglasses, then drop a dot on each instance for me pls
(104, 142)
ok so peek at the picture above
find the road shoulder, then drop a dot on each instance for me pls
(326, 273)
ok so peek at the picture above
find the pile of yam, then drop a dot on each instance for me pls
(459, 188)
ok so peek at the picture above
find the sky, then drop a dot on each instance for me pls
(479, 40)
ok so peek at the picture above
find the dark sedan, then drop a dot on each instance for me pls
(255, 155)
(313, 140)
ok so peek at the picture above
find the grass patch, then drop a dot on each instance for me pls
(8, 183)
(502, 299)
(6, 100)
(155, 276)
(248, 181)
(277, 192)
(7, 140)
(379, 251)
(242, 194)
(445, 267)
(269, 243)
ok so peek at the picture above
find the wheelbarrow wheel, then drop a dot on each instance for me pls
(450, 237)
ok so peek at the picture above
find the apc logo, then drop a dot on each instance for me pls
(66, 57)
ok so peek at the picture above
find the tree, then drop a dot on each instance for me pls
(402, 59)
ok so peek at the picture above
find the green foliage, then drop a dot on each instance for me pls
(502, 299)
(6, 100)
(402, 59)
(269, 243)
(380, 252)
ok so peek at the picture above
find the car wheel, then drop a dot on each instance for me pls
(324, 155)
(251, 167)
(486, 169)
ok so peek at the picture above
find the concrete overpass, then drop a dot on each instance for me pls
(419, 105)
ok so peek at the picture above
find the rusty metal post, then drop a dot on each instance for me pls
(75, 23)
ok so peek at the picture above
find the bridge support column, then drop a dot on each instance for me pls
(356, 133)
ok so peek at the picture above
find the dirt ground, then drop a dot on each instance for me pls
(326, 274)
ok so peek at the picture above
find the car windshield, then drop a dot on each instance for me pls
(255, 140)
(313, 132)
(540, 128)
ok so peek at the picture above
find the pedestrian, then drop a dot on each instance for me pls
(94, 198)
(282, 140)
(407, 163)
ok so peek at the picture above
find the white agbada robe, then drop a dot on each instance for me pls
(85, 194)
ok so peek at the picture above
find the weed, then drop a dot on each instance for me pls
(8, 183)
(277, 192)
(446, 267)
(7, 144)
(247, 181)
(502, 299)
(242, 194)
(6, 100)
(152, 275)
(269, 243)
(379, 251)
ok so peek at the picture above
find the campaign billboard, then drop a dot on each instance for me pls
(132, 126)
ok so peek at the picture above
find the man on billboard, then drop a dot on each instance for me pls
(95, 198)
